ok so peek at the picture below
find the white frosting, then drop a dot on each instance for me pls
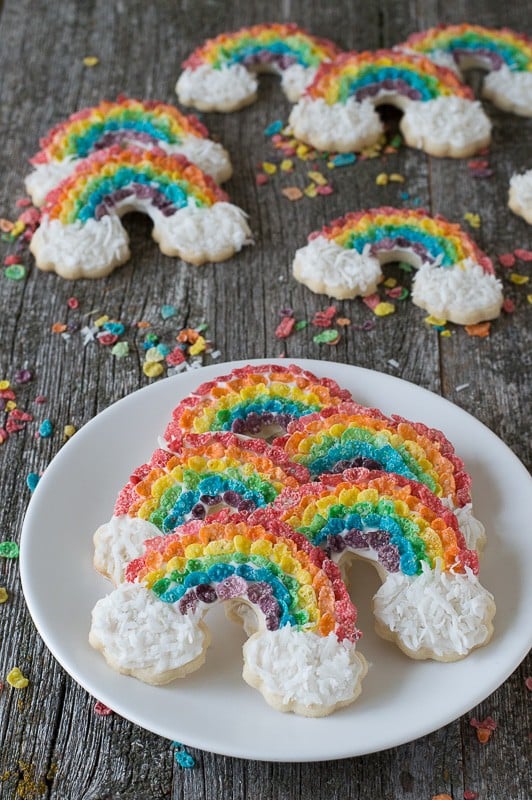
(225, 89)
(299, 671)
(471, 527)
(118, 542)
(209, 156)
(295, 79)
(342, 127)
(446, 126)
(46, 177)
(520, 200)
(92, 249)
(435, 614)
(202, 234)
(79, 250)
(327, 268)
(463, 293)
(509, 90)
(142, 636)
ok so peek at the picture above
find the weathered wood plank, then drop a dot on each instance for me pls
(51, 743)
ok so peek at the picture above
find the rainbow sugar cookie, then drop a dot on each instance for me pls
(440, 115)
(143, 123)
(255, 401)
(81, 234)
(349, 436)
(520, 196)
(206, 473)
(454, 281)
(505, 54)
(220, 75)
(301, 652)
(430, 602)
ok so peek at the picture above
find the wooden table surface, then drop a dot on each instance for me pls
(52, 744)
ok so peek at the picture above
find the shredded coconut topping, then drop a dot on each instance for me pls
(327, 268)
(118, 542)
(341, 126)
(302, 669)
(136, 631)
(437, 613)
(211, 89)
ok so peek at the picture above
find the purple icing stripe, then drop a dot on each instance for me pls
(258, 593)
(396, 86)
(379, 541)
(139, 191)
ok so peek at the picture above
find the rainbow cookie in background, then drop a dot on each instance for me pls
(503, 53)
(206, 473)
(454, 280)
(520, 196)
(349, 436)
(255, 401)
(221, 74)
(126, 121)
(431, 603)
(81, 235)
(301, 652)
(440, 115)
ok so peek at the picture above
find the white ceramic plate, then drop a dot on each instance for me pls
(213, 708)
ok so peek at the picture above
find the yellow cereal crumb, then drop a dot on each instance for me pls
(152, 369)
(198, 346)
(381, 179)
(16, 679)
(91, 61)
(518, 279)
(383, 309)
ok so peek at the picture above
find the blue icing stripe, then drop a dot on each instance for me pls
(435, 245)
(506, 52)
(84, 144)
(386, 455)
(268, 405)
(278, 48)
(372, 75)
(212, 486)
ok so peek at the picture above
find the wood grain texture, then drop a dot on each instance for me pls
(52, 745)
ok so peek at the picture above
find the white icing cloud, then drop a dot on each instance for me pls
(327, 268)
(342, 126)
(511, 91)
(225, 89)
(436, 614)
(303, 672)
(464, 293)
(140, 635)
(120, 541)
(446, 126)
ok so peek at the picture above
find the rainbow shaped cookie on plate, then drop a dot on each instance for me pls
(431, 603)
(207, 473)
(255, 401)
(301, 652)
(350, 436)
